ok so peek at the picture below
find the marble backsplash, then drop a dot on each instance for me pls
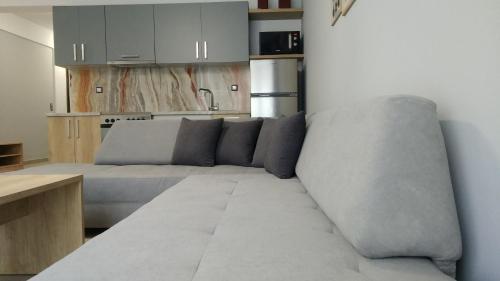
(158, 89)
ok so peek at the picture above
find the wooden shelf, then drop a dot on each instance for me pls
(11, 157)
(276, 14)
(270, 57)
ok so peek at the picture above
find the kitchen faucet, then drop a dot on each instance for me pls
(212, 106)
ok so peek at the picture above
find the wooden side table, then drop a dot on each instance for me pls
(41, 221)
(11, 156)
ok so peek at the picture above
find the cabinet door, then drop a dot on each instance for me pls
(178, 33)
(130, 33)
(61, 139)
(225, 32)
(92, 43)
(66, 36)
(87, 138)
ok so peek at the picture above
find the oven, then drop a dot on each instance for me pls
(108, 119)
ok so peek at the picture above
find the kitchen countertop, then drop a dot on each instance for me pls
(200, 112)
(166, 113)
(73, 114)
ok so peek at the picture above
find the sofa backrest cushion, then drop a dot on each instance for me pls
(379, 171)
(139, 142)
(237, 142)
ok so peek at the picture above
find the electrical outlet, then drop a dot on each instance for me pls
(234, 88)
(98, 90)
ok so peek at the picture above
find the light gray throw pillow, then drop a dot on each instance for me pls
(139, 143)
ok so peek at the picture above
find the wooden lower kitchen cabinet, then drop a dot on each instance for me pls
(73, 139)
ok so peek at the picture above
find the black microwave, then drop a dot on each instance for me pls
(283, 42)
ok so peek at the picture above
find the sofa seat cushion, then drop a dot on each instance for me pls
(61, 168)
(132, 183)
(142, 183)
(223, 227)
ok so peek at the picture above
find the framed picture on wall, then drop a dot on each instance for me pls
(336, 10)
(346, 5)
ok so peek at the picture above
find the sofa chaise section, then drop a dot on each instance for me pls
(241, 227)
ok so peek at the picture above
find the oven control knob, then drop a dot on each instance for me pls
(112, 120)
(107, 120)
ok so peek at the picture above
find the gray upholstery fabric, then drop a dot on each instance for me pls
(238, 228)
(112, 193)
(104, 215)
(285, 145)
(62, 169)
(379, 170)
(197, 142)
(263, 141)
(139, 142)
(237, 143)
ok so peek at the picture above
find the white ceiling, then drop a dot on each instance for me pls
(41, 15)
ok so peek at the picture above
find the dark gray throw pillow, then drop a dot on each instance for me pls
(285, 146)
(197, 142)
(263, 141)
(237, 143)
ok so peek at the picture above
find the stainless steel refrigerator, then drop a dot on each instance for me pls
(274, 88)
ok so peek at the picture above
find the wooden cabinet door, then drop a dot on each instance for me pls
(225, 32)
(130, 33)
(178, 33)
(87, 138)
(61, 139)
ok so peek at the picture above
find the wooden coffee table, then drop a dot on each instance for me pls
(41, 221)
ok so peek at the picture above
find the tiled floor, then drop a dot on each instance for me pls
(36, 164)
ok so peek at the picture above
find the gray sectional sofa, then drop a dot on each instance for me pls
(372, 201)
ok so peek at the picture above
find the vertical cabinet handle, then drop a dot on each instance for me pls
(69, 128)
(205, 49)
(197, 50)
(78, 128)
(74, 52)
(83, 52)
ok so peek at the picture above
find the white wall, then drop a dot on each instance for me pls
(26, 29)
(448, 51)
(38, 34)
(26, 90)
(60, 90)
